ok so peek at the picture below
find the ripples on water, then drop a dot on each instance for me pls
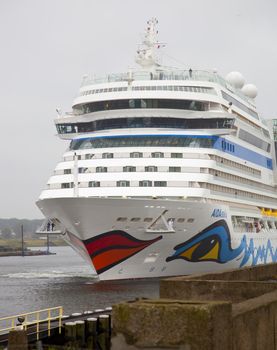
(36, 282)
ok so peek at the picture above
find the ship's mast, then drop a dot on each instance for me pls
(146, 53)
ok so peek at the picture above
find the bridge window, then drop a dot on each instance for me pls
(146, 122)
(145, 141)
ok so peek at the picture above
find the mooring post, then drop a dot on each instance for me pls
(104, 331)
(39, 345)
(80, 332)
(91, 332)
(109, 309)
(18, 340)
(70, 331)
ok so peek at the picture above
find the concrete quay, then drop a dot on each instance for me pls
(232, 310)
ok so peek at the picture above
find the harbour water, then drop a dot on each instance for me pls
(64, 279)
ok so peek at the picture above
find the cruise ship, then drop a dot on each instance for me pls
(168, 172)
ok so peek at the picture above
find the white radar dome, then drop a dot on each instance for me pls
(236, 79)
(250, 90)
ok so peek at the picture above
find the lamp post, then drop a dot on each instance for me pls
(48, 243)
(22, 240)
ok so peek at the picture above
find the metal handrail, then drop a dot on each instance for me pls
(12, 320)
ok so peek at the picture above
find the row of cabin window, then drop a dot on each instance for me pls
(240, 179)
(235, 165)
(102, 169)
(122, 183)
(256, 226)
(146, 122)
(236, 192)
(239, 104)
(254, 140)
(173, 155)
(133, 155)
(125, 183)
(162, 103)
(136, 219)
(148, 88)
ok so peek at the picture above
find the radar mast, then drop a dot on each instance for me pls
(146, 53)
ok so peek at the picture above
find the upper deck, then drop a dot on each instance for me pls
(165, 75)
(160, 96)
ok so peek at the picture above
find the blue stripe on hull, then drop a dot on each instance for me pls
(244, 153)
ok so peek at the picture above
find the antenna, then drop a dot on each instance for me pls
(146, 53)
(59, 111)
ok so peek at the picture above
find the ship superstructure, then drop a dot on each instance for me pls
(168, 172)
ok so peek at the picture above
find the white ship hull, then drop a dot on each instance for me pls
(140, 238)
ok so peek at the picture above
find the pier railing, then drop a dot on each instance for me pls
(39, 320)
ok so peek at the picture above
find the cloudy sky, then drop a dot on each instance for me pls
(47, 46)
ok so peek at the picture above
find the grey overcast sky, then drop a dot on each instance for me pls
(47, 46)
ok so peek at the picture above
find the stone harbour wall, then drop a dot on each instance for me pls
(173, 324)
(254, 323)
(232, 310)
(234, 291)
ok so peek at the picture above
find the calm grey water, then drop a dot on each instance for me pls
(33, 283)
